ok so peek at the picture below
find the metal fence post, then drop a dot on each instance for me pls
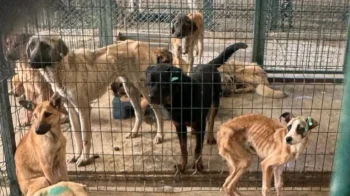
(259, 32)
(208, 13)
(106, 23)
(340, 183)
(6, 128)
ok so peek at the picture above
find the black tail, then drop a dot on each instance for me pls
(226, 54)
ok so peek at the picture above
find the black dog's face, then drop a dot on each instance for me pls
(45, 50)
(163, 82)
(182, 26)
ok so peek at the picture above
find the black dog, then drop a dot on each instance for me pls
(188, 99)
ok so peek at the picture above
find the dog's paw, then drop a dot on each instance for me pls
(211, 141)
(131, 135)
(198, 166)
(82, 162)
(180, 167)
(158, 139)
(72, 159)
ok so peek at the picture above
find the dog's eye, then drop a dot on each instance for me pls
(47, 114)
(289, 127)
(301, 130)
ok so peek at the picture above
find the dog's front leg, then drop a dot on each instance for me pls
(277, 171)
(134, 96)
(84, 115)
(47, 167)
(182, 135)
(190, 58)
(159, 136)
(267, 172)
(200, 133)
(210, 123)
(75, 124)
(63, 165)
(200, 49)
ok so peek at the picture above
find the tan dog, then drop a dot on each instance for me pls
(250, 76)
(188, 37)
(165, 56)
(34, 86)
(65, 188)
(272, 141)
(41, 154)
(82, 76)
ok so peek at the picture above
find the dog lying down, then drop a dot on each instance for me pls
(64, 188)
(274, 142)
(190, 99)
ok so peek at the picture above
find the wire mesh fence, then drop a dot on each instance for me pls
(303, 57)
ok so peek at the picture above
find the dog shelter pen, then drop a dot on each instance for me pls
(305, 57)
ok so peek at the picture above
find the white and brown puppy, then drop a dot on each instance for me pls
(41, 154)
(188, 36)
(83, 75)
(271, 140)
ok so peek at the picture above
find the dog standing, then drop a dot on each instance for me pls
(188, 37)
(83, 75)
(189, 99)
(272, 141)
(41, 154)
(27, 81)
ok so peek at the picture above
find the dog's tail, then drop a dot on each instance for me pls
(226, 54)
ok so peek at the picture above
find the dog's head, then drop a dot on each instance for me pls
(16, 46)
(163, 81)
(45, 50)
(182, 26)
(163, 55)
(298, 128)
(47, 114)
(118, 88)
(18, 87)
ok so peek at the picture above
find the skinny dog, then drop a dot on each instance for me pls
(271, 140)
(84, 75)
(41, 154)
(190, 27)
(189, 99)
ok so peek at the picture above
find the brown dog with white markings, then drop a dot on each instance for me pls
(41, 154)
(271, 140)
(188, 37)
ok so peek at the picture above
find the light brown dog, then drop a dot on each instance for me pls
(165, 56)
(65, 188)
(250, 76)
(83, 75)
(274, 142)
(27, 81)
(188, 37)
(41, 154)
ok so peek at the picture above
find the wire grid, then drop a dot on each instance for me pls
(141, 165)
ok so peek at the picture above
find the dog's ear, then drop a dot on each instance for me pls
(62, 48)
(312, 123)
(28, 105)
(286, 117)
(56, 100)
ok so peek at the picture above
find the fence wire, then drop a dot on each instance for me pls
(304, 58)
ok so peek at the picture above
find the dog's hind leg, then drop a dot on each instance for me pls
(200, 133)
(210, 124)
(134, 96)
(181, 131)
(159, 135)
(277, 171)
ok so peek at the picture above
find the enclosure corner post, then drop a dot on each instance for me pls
(340, 183)
(259, 32)
(208, 13)
(106, 23)
(6, 129)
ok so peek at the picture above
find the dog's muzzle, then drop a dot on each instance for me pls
(42, 129)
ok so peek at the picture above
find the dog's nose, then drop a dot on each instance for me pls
(289, 140)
